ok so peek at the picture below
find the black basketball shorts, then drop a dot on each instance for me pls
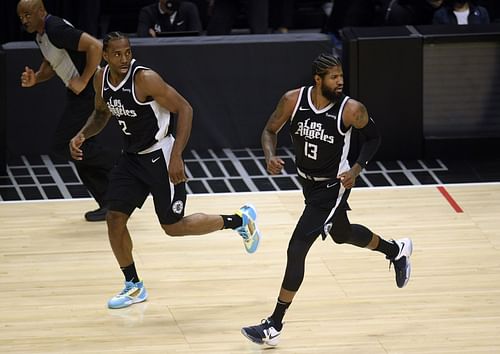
(324, 200)
(137, 175)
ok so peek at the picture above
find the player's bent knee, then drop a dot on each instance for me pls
(116, 218)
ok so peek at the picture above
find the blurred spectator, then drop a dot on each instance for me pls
(461, 12)
(407, 12)
(224, 14)
(168, 16)
(350, 13)
(281, 15)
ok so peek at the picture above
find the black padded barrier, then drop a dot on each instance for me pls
(434, 90)
(384, 71)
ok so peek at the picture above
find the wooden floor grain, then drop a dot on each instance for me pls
(57, 272)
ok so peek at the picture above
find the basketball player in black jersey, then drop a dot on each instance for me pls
(321, 120)
(73, 56)
(151, 162)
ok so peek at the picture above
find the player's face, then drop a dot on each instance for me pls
(332, 83)
(118, 55)
(31, 16)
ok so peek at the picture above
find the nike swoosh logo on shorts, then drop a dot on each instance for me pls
(155, 159)
(330, 185)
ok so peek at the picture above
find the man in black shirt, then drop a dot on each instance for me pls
(321, 120)
(168, 16)
(73, 56)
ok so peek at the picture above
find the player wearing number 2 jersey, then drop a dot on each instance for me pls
(321, 120)
(144, 106)
(144, 124)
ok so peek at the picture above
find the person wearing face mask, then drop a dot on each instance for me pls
(168, 16)
(461, 12)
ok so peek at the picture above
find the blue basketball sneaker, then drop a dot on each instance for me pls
(131, 294)
(248, 230)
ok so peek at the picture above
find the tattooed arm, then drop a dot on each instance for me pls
(355, 115)
(269, 138)
(96, 121)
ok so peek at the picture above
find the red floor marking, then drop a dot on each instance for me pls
(450, 199)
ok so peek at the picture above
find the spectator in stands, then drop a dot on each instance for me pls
(224, 13)
(407, 12)
(281, 15)
(347, 13)
(168, 16)
(461, 12)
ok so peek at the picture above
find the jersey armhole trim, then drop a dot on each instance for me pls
(147, 103)
(340, 119)
(297, 104)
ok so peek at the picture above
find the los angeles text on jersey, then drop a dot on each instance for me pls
(313, 130)
(117, 109)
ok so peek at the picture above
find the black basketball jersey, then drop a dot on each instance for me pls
(321, 145)
(143, 123)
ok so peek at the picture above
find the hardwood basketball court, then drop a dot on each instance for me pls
(58, 271)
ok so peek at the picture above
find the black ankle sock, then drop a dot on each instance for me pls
(390, 249)
(232, 221)
(279, 313)
(130, 273)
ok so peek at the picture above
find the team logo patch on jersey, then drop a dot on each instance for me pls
(178, 207)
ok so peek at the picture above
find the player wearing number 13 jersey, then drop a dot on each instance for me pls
(321, 120)
(151, 162)
(320, 138)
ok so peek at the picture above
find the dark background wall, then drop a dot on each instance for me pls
(233, 83)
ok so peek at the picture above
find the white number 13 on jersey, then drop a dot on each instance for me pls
(311, 150)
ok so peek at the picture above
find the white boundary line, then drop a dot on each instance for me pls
(211, 195)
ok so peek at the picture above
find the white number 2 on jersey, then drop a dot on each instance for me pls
(311, 150)
(124, 127)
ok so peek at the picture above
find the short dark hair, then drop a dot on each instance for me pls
(112, 36)
(323, 62)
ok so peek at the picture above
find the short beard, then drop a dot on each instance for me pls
(330, 95)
